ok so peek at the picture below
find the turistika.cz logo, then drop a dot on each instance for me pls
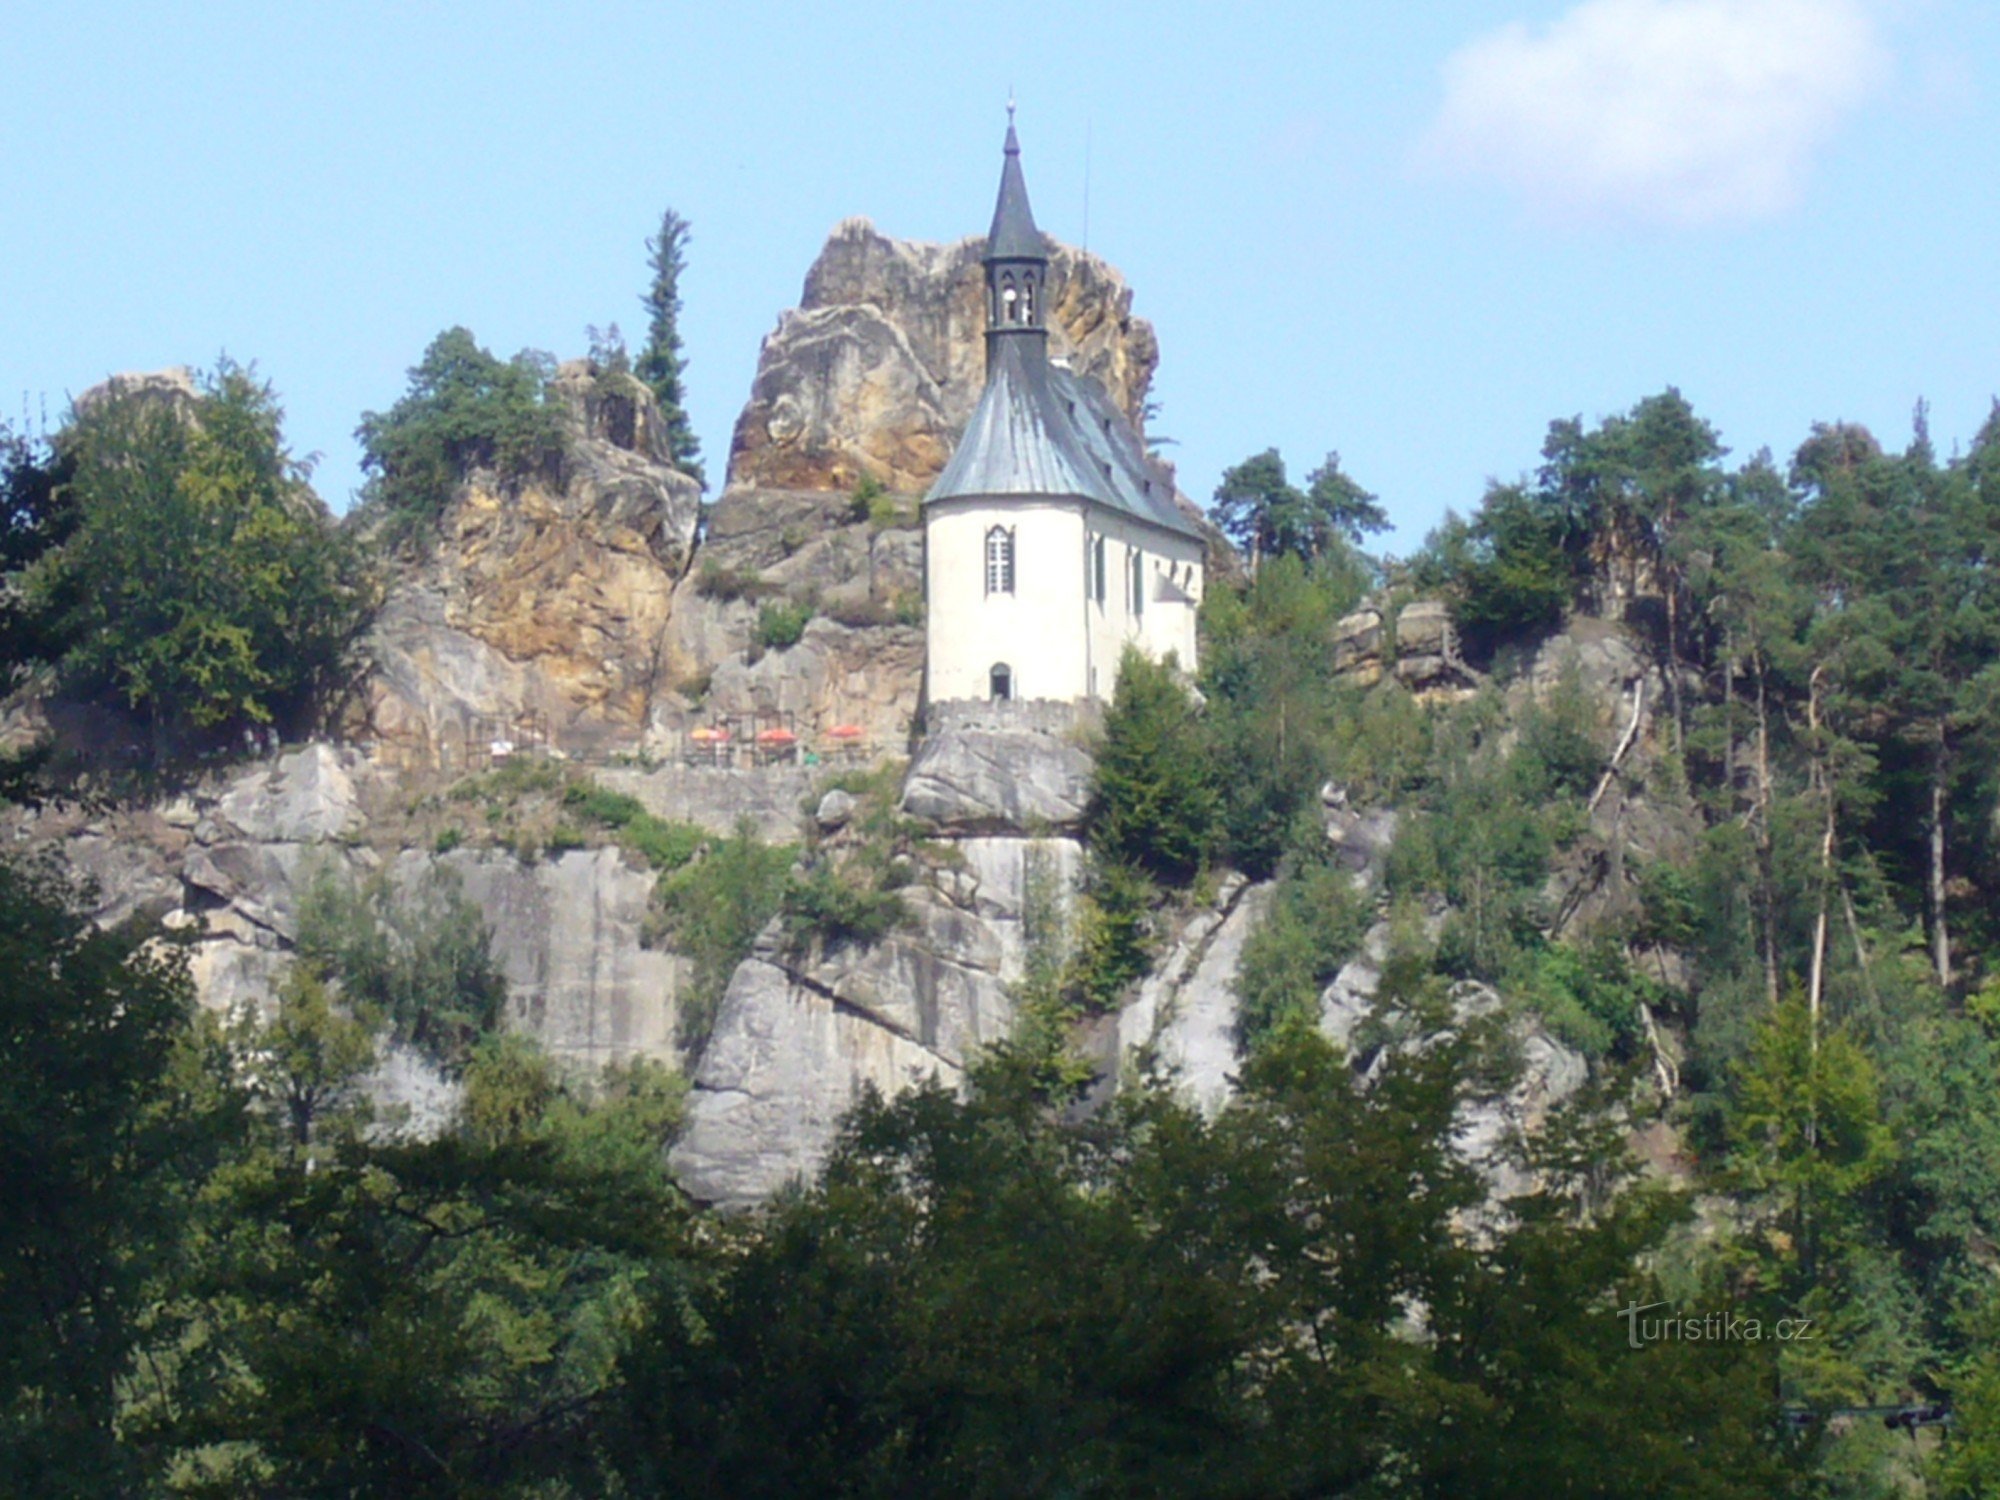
(1708, 1328)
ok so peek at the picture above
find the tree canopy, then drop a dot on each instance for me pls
(464, 409)
(198, 581)
(1267, 516)
(661, 363)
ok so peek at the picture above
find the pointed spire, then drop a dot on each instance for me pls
(1013, 236)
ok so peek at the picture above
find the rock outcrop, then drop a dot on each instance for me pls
(799, 1037)
(998, 767)
(543, 607)
(1414, 642)
(877, 370)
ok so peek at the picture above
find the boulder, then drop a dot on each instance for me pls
(835, 808)
(305, 796)
(1001, 768)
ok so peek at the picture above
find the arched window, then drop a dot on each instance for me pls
(1027, 299)
(1136, 583)
(1097, 579)
(1010, 304)
(1000, 560)
(1000, 682)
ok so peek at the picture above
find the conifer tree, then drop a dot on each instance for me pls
(660, 363)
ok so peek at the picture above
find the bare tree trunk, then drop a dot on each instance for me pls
(1860, 948)
(1766, 898)
(1729, 712)
(1940, 934)
(1823, 785)
(1671, 587)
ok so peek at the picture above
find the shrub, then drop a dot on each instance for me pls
(711, 910)
(782, 624)
(833, 908)
(716, 580)
(867, 492)
(663, 845)
(1114, 937)
(1589, 997)
(418, 955)
(1316, 922)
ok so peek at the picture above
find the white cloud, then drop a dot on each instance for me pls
(1675, 111)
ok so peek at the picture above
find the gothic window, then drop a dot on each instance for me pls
(1000, 560)
(1027, 299)
(1010, 307)
(1000, 682)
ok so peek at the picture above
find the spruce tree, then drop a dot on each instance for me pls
(660, 362)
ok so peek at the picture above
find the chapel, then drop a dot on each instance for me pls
(1051, 540)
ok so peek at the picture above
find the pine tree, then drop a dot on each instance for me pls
(660, 362)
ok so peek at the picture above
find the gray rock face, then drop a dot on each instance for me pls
(782, 1065)
(306, 796)
(1182, 1026)
(795, 1041)
(718, 799)
(995, 768)
(566, 935)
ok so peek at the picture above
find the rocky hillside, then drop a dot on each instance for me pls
(597, 614)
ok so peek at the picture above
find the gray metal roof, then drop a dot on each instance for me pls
(1043, 430)
(1013, 235)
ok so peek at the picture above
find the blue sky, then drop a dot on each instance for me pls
(1411, 233)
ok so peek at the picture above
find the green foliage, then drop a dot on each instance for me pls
(1588, 996)
(305, 1065)
(105, 1114)
(424, 1319)
(717, 581)
(661, 363)
(1154, 804)
(1228, 1313)
(464, 410)
(416, 954)
(1806, 1127)
(38, 514)
(782, 623)
(1316, 922)
(1114, 939)
(711, 909)
(1274, 715)
(868, 496)
(200, 584)
(1267, 516)
(663, 845)
(832, 907)
(1510, 569)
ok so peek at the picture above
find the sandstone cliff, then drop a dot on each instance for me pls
(877, 370)
(542, 601)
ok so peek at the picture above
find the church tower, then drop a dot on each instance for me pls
(1052, 541)
(1017, 267)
